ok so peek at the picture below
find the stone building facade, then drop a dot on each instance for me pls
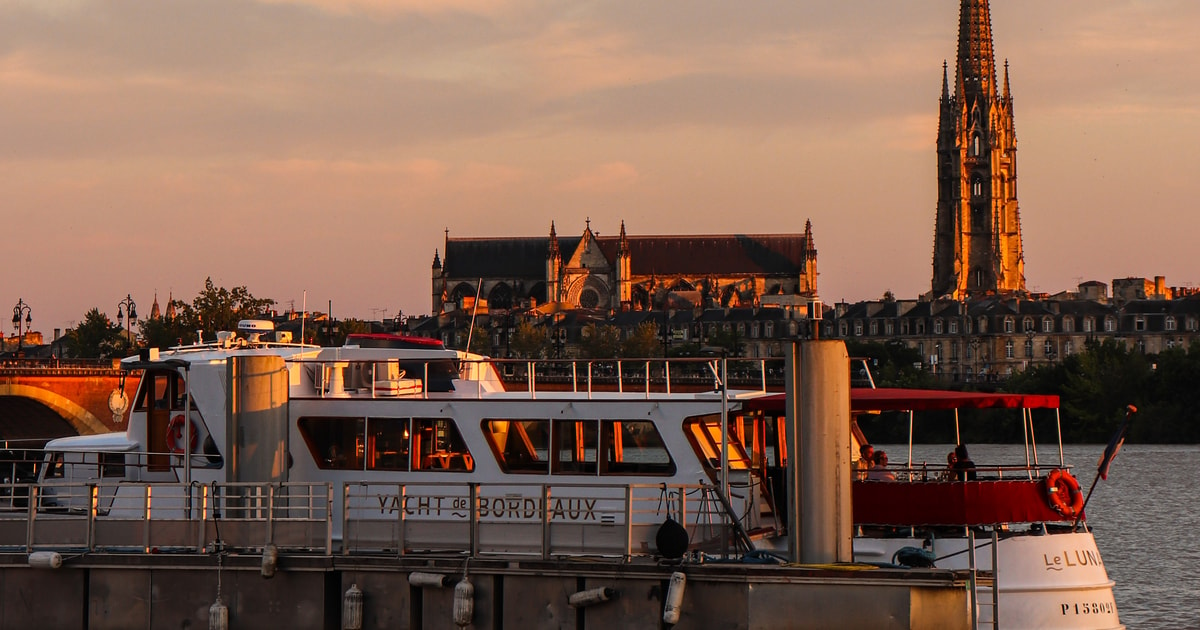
(991, 338)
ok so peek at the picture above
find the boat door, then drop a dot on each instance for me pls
(746, 455)
(161, 397)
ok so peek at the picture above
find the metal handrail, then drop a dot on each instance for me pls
(479, 519)
(653, 375)
(522, 518)
(148, 517)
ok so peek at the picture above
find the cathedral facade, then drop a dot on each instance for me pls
(624, 272)
(977, 236)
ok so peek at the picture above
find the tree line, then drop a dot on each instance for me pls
(1097, 385)
(213, 309)
(1094, 386)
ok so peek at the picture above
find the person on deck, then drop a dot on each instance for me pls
(949, 474)
(865, 461)
(880, 472)
(964, 468)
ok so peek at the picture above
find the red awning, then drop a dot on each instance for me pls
(895, 399)
(906, 504)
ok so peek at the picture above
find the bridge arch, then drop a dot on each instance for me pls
(83, 421)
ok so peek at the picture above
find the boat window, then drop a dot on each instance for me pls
(634, 447)
(437, 375)
(161, 389)
(520, 446)
(112, 464)
(575, 446)
(335, 443)
(55, 469)
(704, 432)
(437, 445)
(387, 443)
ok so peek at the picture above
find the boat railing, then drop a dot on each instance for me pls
(530, 520)
(493, 520)
(165, 517)
(384, 378)
(646, 376)
(942, 472)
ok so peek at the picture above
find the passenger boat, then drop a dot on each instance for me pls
(403, 446)
(1026, 515)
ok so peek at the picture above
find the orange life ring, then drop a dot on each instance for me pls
(176, 438)
(1063, 494)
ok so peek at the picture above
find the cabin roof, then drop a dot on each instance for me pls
(897, 399)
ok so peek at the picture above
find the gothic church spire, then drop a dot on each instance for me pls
(977, 235)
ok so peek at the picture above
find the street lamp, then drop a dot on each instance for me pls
(129, 313)
(22, 325)
(559, 341)
(975, 358)
(666, 333)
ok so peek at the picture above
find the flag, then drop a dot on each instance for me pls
(1114, 445)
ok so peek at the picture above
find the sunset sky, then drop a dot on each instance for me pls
(325, 145)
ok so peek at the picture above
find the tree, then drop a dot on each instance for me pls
(599, 342)
(1099, 383)
(481, 340)
(891, 364)
(161, 332)
(529, 341)
(730, 340)
(350, 326)
(218, 308)
(96, 337)
(213, 309)
(643, 342)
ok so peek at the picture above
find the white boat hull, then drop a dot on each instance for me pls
(1046, 582)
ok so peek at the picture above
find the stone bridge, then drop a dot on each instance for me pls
(43, 399)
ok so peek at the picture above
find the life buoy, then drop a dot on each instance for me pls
(1063, 494)
(176, 438)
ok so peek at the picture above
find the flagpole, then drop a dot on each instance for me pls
(1110, 452)
(1079, 516)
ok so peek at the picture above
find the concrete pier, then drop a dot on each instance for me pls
(101, 591)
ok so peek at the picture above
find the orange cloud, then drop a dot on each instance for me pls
(396, 7)
(603, 178)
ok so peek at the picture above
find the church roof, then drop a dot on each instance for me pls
(517, 257)
(717, 254)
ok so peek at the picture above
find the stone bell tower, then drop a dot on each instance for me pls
(977, 234)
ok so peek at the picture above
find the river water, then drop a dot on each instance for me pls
(1145, 525)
